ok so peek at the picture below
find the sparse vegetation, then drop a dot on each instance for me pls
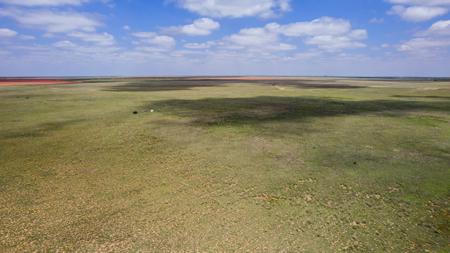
(304, 165)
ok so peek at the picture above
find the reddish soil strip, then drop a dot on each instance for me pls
(21, 82)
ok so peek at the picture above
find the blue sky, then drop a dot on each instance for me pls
(225, 37)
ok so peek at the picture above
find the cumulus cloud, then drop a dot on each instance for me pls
(441, 28)
(420, 45)
(435, 38)
(64, 44)
(51, 21)
(7, 33)
(419, 10)
(326, 33)
(320, 26)
(253, 37)
(334, 43)
(200, 27)
(204, 45)
(154, 42)
(418, 13)
(236, 8)
(257, 38)
(85, 51)
(101, 39)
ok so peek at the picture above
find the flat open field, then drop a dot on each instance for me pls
(7, 82)
(226, 164)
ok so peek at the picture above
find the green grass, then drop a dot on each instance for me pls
(310, 165)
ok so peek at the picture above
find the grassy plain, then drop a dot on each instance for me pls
(185, 165)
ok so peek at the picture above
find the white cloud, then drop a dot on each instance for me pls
(326, 33)
(418, 13)
(236, 8)
(320, 26)
(144, 35)
(253, 37)
(52, 22)
(358, 34)
(204, 45)
(421, 2)
(101, 39)
(156, 41)
(334, 43)
(432, 40)
(7, 33)
(440, 28)
(200, 27)
(419, 10)
(43, 2)
(85, 51)
(418, 45)
(162, 41)
(260, 39)
(64, 44)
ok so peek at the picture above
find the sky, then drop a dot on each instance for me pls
(225, 37)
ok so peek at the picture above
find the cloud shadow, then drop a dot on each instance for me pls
(187, 84)
(256, 110)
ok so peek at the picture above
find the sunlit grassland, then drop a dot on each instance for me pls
(312, 165)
